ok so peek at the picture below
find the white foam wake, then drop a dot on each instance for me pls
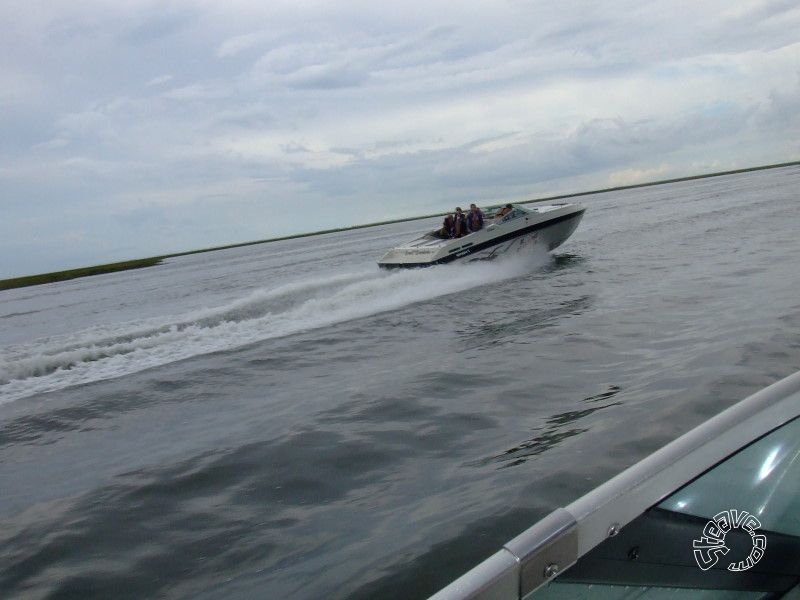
(106, 352)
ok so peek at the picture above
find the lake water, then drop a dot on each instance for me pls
(286, 421)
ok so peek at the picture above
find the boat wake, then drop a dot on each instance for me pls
(100, 353)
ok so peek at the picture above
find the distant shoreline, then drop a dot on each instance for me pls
(29, 280)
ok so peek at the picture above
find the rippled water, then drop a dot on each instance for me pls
(286, 421)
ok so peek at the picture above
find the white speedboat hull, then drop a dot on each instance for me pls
(522, 230)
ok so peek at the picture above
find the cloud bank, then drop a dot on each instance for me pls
(140, 128)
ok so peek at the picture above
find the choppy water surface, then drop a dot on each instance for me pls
(286, 421)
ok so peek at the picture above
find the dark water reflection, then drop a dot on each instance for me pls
(553, 432)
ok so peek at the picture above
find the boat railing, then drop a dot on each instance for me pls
(551, 546)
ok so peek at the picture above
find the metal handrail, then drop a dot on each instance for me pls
(556, 542)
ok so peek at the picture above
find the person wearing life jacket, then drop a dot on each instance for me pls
(474, 218)
(503, 212)
(447, 231)
(460, 225)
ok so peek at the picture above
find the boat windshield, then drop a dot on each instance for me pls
(733, 532)
(515, 213)
(763, 479)
(714, 514)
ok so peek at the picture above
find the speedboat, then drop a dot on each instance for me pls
(523, 227)
(713, 514)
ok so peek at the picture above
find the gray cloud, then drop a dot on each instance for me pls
(129, 129)
(159, 24)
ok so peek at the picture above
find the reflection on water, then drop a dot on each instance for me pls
(564, 261)
(520, 322)
(613, 390)
(552, 433)
(535, 446)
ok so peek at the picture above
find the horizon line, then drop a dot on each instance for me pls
(26, 280)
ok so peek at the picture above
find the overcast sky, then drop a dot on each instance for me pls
(133, 128)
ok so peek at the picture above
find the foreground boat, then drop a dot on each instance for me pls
(524, 227)
(714, 514)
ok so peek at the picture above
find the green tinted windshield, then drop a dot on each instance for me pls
(762, 479)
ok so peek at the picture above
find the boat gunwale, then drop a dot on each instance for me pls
(568, 533)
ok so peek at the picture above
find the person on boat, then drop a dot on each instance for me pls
(474, 218)
(503, 211)
(460, 225)
(448, 227)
